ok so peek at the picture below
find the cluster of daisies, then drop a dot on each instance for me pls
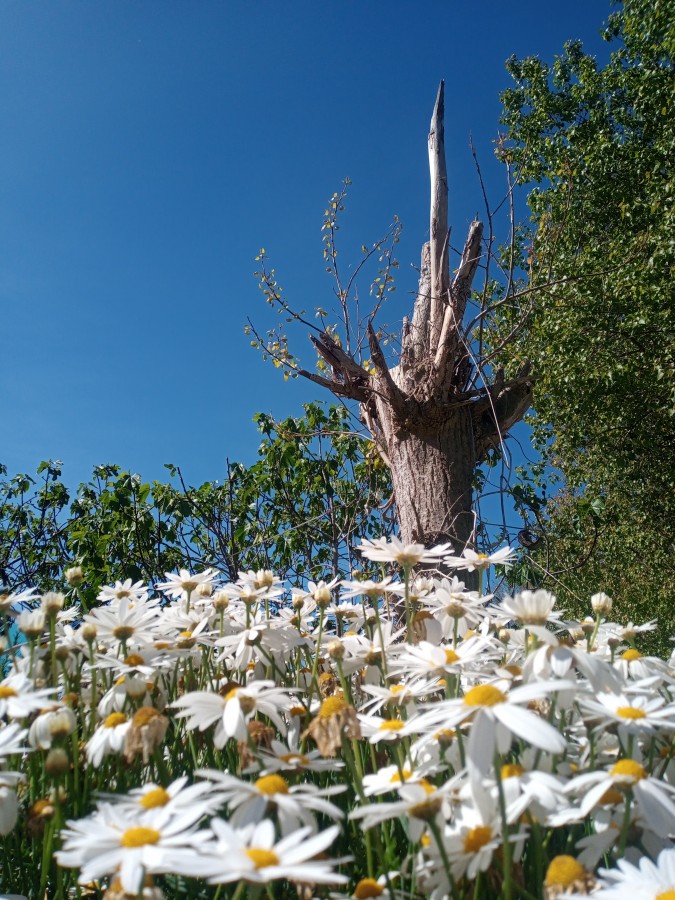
(402, 736)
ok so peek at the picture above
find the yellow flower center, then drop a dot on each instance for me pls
(154, 798)
(514, 670)
(564, 871)
(6, 691)
(134, 659)
(395, 689)
(666, 895)
(628, 768)
(139, 837)
(630, 712)
(477, 838)
(272, 784)
(295, 759)
(391, 725)
(484, 695)
(367, 887)
(450, 656)
(426, 810)
(114, 719)
(512, 770)
(123, 632)
(631, 655)
(396, 777)
(331, 706)
(262, 858)
(611, 797)
(144, 716)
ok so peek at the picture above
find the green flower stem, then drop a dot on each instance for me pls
(507, 849)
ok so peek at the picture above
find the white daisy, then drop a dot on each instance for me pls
(406, 555)
(115, 841)
(645, 881)
(470, 560)
(251, 854)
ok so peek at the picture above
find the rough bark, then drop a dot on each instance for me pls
(431, 428)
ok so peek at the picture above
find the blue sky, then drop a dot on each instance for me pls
(151, 148)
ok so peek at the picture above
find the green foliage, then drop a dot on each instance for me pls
(314, 490)
(598, 146)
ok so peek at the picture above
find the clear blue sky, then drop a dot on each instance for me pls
(150, 148)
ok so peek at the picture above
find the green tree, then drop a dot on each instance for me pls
(598, 147)
(314, 491)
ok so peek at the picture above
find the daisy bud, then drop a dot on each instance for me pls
(62, 653)
(504, 635)
(221, 600)
(52, 603)
(322, 595)
(602, 604)
(588, 626)
(298, 602)
(9, 809)
(264, 578)
(57, 762)
(336, 650)
(204, 590)
(135, 687)
(89, 632)
(74, 576)
(32, 624)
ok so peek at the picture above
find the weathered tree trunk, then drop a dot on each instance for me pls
(431, 427)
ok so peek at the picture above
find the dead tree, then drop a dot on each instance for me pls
(432, 420)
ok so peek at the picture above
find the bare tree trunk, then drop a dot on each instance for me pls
(431, 426)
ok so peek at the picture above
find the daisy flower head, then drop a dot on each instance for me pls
(406, 555)
(530, 608)
(654, 799)
(252, 854)
(473, 561)
(108, 738)
(128, 622)
(179, 798)
(18, 697)
(234, 710)
(632, 714)
(498, 714)
(115, 841)
(134, 591)
(646, 881)
(182, 585)
(294, 805)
